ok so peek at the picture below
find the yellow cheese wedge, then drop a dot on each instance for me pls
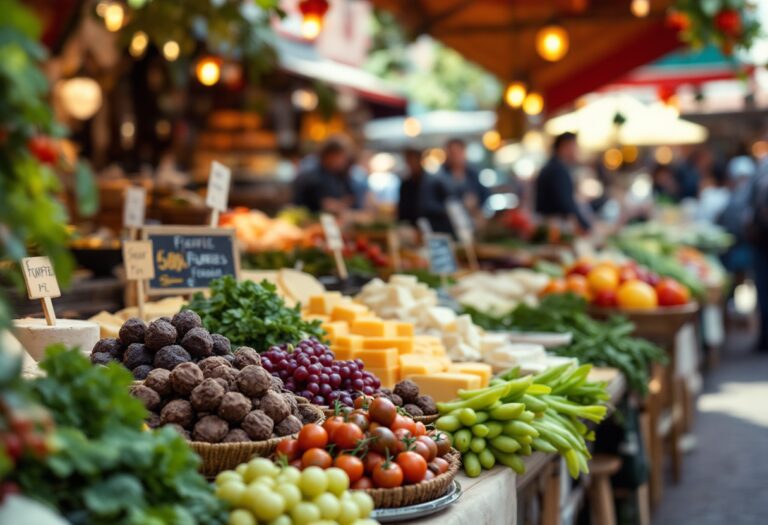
(350, 342)
(348, 312)
(342, 353)
(403, 329)
(415, 364)
(335, 329)
(404, 345)
(324, 303)
(389, 376)
(444, 386)
(383, 358)
(373, 327)
(299, 285)
(483, 370)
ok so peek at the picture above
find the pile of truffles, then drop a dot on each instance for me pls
(223, 401)
(164, 343)
(406, 395)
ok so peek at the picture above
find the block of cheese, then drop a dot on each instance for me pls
(109, 324)
(403, 329)
(389, 376)
(445, 360)
(483, 370)
(324, 303)
(350, 342)
(404, 345)
(444, 386)
(342, 353)
(382, 358)
(373, 327)
(349, 312)
(335, 329)
(299, 285)
(415, 364)
(440, 316)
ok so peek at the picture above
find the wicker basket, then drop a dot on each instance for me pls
(329, 412)
(421, 492)
(226, 456)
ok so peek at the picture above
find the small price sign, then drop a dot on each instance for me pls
(218, 190)
(41, 284)
(462, 225)
(334, 241)
(134, 207)
(137, 258)
(442, 260)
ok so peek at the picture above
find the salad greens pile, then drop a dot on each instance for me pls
(105, 467)
(602, 343)
(252, 314)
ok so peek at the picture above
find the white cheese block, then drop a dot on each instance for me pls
(400, 296)
(299, 285)
(409, 281)
(440, 316)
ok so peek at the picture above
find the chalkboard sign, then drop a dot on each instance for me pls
(187, 259)
(442, 260)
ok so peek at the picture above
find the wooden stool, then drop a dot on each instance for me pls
(602, 507)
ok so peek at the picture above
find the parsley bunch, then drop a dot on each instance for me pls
(251, 314)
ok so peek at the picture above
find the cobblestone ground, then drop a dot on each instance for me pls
(725, 479)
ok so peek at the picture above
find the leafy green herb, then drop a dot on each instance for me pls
(251, 314)
(602, 343)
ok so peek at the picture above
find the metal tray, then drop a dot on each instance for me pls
(421, 510)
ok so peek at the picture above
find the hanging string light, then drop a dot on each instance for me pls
(113, 17)
(313, 14)
(171, 50)
(515, 94)
(552, 42)
(208, 70)
(533, 104)
(640, 8)
(139, 43)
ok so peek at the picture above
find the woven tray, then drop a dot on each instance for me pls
(424, 419)
(421, 492)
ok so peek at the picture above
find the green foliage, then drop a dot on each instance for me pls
(251, 314)
(703, 29)
(315, 261)
(105, 468)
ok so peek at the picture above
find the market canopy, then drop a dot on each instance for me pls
(606, 40)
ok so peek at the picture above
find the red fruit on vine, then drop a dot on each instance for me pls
(13, 446)
(44, 149)
(678, 21)
(728, 22)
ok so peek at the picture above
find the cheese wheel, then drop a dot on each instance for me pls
(35, 335)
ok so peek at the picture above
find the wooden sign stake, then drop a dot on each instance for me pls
(50, 314)
(335, 242)
(393, 242)
(469, 248)
(214, 218)
(218, 191)
(41, 284)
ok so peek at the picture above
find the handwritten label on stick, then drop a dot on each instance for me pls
(40, 277)
(332, 232)
(462, 223)
(134, 207)
(218, 187)
(442, 260)
(137, 257)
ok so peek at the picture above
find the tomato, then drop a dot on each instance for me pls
(404, 422)
(606, 299)
(312, 436)
(388, 475)
(403, 436)
(555, 286)
(577, 284)
(443, 442)
(288, 448)
(362, 484)
(373, 426)
(332, 423)
(359, 419)
(421, 429)
(672, 293)
(627, 273)
(431, 446)
(296, 463)
(44, 149)
(371, 460)
(316, 457)
(362, 402)
(382, 411)
(350, 464)
(580, 267)
(414, 466)
(383, 440)
(438, 466)
(421, 449)
(347, 436)
(728, 21)
(636, 295)
(602, 278)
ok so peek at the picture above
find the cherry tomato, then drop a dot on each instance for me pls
(414, 466)
(404, 422)
(421, 449)
(362, 484)
(332, 423)
(606, 299)
(362, 402)
(373, 426)
(288, 448)
(438, 466)
(350, 464)
(312, 436)
(431, 446)
(316, 457)
(44, 149)
(672, 293)
(359, 419)
(372, 459)
(296, 463)
(387, 475)
(383, 411)
(443, 442)
(383, 440)
(421, 429)
(347, 436)
(402, 435)
(627, 273)
(429, 475)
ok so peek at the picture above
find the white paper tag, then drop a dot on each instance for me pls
(218, 187)
(40, 277)
(134, 207)
(333, 237)
(137, 258)
(462, 223)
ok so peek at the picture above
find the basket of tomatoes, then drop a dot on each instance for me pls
(395, 459)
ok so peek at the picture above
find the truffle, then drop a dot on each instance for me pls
(166, 319)
(198, 343)
(227, 374)
(258, 425)
(230, 359)
(407, 390)
(141, 372)
(291, 400)
(153, 420)
(221, 345)
(236, 435)
(209, 363)
(253, 381)
(277, 384)
(185, 321)
(207, 396)
(169, 357)
(397, 400)
(178, 411)
(245, 356)
(427, 405)
(385, 391)
(413, 410)
(132, 331)
(111, 346)
(223, 382)
(101, 358)
(159, 334)
(146, 395)
(275, 406)
(136, 355)
(185, 377)
(210, 429)
(289, 425)
(256, 402)
(234, 407)
(159, 380)
(307, 413)
(181, 430)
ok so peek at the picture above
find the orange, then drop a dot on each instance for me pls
(578, 285)
(555, 286)
(603, 278)
(637, 295)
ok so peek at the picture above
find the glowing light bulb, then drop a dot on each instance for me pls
(552, 43)
(171, 50)
(113, 17)
(533, 104)
(411, 127)
(311, 26)
(138, 44)
(640, 8)
(492, 140)
(208, 71)
(515, 94)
